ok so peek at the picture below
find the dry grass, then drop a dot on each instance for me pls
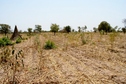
(95, 62)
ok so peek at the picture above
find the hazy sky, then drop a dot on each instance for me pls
(28, 13)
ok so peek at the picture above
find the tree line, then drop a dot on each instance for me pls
(104, 27)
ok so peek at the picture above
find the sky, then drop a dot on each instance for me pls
(28, 13)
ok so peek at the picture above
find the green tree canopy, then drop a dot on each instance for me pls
(95, 29)
(54, 28)
(73, 30)
(104, 26)
(29, 30)
(5, 28)
(124, 30)
(67, 29)
(38, 28)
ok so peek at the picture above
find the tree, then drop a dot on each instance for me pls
(104, 26)
(79, 29)
(114, 29)
(38, 28)
(67, 29)
(73, 30)
(95, 29)
(29, 30)
(119, 29)
(54, 28)
(124, 21)
(124, 30)
(20, 31)
(84, 28)
(5, 28)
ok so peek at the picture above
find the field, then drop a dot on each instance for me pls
(79, 58)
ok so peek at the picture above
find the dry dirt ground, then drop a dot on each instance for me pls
(102, 60)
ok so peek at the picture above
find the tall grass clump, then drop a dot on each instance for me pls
(49, 45)
(84, 39)
(38, 45)
(37, 42)
(112, 38)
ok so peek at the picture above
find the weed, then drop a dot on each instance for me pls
(36, 42)
(112, 37)
(91, 35)
(101, 36)
(84, 38)
(39, 47)
(65, 47)
(93, 43)
(18, 40)
(49, 45)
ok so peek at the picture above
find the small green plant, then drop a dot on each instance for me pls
(5, 41)
(18, 40)
(49, 45)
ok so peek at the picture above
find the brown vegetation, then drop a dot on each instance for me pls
(101, 60)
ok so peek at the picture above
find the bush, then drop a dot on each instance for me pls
(49, 45)
(5, 41)
(18, 40)
(2, 43)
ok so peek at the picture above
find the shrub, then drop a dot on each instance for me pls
(18, 40)
(5, 41)
(49, 45)
(2, 43)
